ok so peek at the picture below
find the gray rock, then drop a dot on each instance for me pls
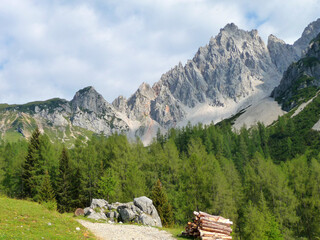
(282, 54)
(126, 214)
(97, 216)
(146, 219)
(145, 204)
(110, 215)
(100, 203)
(116, 215)
(309, 33)
(304, 73)
(88, 211)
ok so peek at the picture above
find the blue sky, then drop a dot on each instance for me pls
(54, 48)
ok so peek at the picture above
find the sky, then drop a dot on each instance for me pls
(54, 48)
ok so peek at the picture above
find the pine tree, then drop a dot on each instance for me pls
(46, 193)
(162, 205)
(64, 183)
(29, 178)
(77, 189)
(107, 184)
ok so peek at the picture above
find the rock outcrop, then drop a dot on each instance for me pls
(302, 79)
(283, 54)
(309, 33)
(141, 210)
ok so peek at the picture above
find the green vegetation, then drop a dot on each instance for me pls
(50, 104)
(21, 219)
(20, 126)
(302, 90)
(310, 61)
(176, 232)
(265, 179)
(162, 205)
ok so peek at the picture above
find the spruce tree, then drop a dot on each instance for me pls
(29, 179)
(46, 194)
(64, 193)
(162, 205)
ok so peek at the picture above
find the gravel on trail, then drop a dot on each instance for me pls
(112, 231)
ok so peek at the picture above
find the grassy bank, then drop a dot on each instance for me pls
(21, 219)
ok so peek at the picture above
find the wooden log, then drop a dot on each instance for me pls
(205, 219)
(215, 218)
(215, 227)
(229, 230)
(204, 232)
(215, 230)
(216, 238)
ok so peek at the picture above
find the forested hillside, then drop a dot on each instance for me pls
(266, 180)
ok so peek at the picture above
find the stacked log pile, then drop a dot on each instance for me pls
(209, 227)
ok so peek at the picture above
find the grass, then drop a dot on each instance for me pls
(176, 232)
(12, 136)
(20, 219)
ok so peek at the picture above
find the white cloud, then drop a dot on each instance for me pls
(54, 48)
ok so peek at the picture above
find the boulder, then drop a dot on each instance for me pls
(97, 216)
(144, 203)
(141, 210)
(113, 215)
(88, 211)
(101, 203)
(110, 215)
(126, 214)
(146, 219)
(146, 206)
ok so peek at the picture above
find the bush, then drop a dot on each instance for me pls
(50, 205)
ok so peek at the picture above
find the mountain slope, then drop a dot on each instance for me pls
(302, 79)
(234, 71)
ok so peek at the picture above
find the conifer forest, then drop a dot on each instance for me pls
(265, 179)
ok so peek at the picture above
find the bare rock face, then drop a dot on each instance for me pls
(140, 102)
(282, 54)
(229, 67)
(309, 33)
(303, 75)
(91, 111)
(89, 99)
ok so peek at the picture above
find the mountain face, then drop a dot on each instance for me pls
(283, 54)
(233, 71)
(302, 79)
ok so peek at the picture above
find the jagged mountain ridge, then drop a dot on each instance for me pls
(234, 70)
(302, 79)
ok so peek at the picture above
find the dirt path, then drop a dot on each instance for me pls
(106, 231)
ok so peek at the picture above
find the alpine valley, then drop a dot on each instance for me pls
(236, 76)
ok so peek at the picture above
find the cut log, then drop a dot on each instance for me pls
(207, 226)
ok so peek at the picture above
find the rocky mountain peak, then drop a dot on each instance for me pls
(89, 99)
(120, 103)
(230, 27)
(309, 33)
(301, 79)
(282, 54)
(274, 39)
(146, 91)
